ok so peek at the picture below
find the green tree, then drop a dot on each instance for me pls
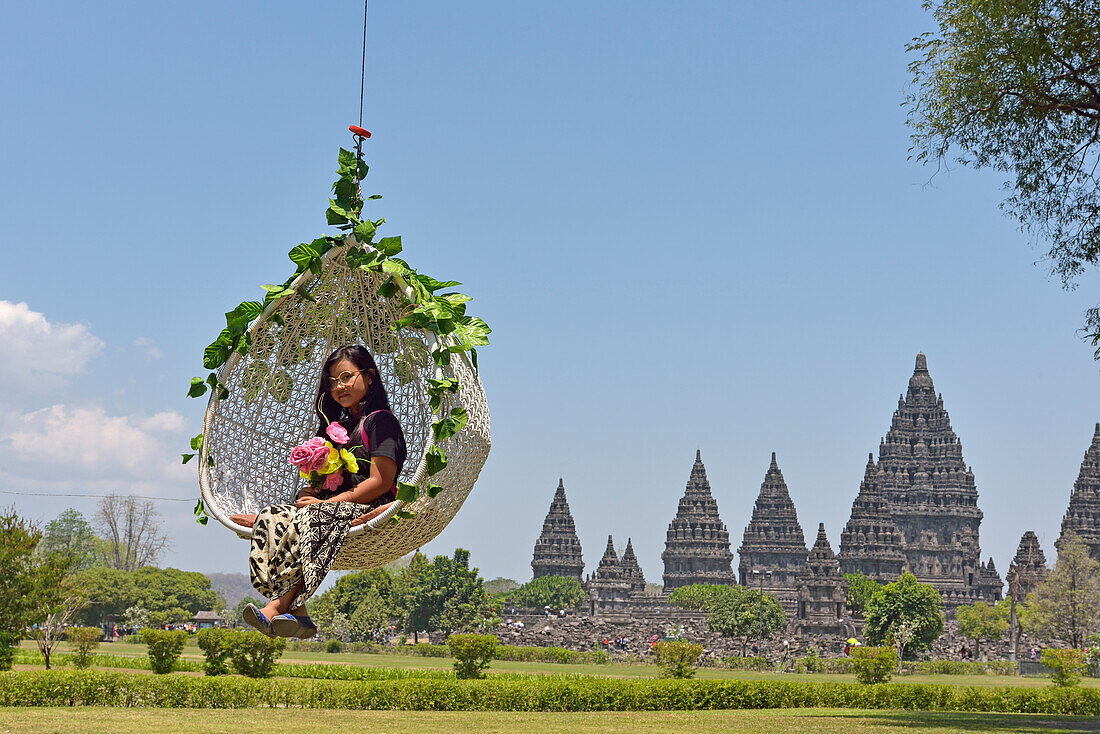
(1015, 86)
(1067, 604)
(677, 658)
(110, 593)
(697, 597)
(348, 593)
(237, 614)
(736, 612)
(472, 654)
(370, 616)
(980, 621)
(71, 535)
(59, 606)
(404, 595)
(171, 595)
(501, 585)
(30, 582)
(558, 592)
(860, 591)
(449, 596)
(905, 611)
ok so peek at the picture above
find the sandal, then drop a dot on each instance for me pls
(289, 625)
(253, 616)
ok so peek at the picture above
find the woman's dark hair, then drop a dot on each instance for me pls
(375, 399)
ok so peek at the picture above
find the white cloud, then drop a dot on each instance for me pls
(152, 351)
(74, 442)
(32, 345)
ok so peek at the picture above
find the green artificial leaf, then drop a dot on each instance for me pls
(437, 460)
(404, 515)
(432, 285)
(237, 320)
(335, 214)
(374, 196)
(390, 246)
(407, 492)
(196, 443)
(202, 520)
(361, 172)
(198, 387)
(200, 513)
(441, 357)
(444, 428)
(364, 231)
(214, 356)
(388, 289)
(433, 490)
(273, 288)
(447, 384)
(303, 255)
(187, 457)
(347, 191)
(210, 461)
(473, 359)
(315, 266)
(357, 258)
(346, 158)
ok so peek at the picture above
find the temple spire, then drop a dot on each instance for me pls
(1083, 513)
(697, 544)
(558, 549)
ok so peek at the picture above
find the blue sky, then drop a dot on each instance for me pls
(690, 226)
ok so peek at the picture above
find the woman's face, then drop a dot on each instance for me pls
(347, 383)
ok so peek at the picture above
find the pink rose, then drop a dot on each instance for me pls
(318, 458)
(333, 481)
(337, 433)
(300, 456)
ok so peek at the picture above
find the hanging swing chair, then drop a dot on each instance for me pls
(263, 402)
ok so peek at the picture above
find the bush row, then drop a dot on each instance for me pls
(110, 688)
(844, 665)
(525, 653)
(105, 661)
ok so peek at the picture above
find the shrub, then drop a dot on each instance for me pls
(472, 653)
(1067, 666)
(677, 658)
(165, 647)
(333, 646)
(83, 641)
(254, 654)
(874, 664)
(214, 643)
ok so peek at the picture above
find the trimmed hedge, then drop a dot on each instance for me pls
(516, 653)
(109, 688)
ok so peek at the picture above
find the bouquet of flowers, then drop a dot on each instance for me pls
(321, 463)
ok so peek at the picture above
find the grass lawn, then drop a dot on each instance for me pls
(791, 721)
(610, 670)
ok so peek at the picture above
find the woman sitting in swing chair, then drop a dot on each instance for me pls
(293, 546)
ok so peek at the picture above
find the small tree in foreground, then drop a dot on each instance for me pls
(254, 654)
(214, 643)
(859, 592)
(677, 658)
(165, 647)
(1066, 605)
(83, 641)
(557, 592)
(745, 614)
(1067, 666)
(472, 653)
(874, 664)
(905, 611)
(980, 621)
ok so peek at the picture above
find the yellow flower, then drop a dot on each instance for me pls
(350, 461)
(333, 462)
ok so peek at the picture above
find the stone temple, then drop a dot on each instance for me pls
(1028, 569)
(1083, 514)
(931, 495)
(558, 549)
(697, 544)
(773, 545)
(821, 593)
(871, 542)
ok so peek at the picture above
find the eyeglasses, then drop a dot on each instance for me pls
(344, 378)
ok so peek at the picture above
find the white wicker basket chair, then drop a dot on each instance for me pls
(270, 409)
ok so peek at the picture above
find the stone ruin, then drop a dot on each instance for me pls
(558, 549)
(1028, 568)
(1083, 514)
(697, 544)
(821, 594)
(871, 542)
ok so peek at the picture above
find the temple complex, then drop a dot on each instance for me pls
(1028, 569)
(632, 572)
(558, 550)
(871, 543)
(697, 544)
(931, 495)
(821, 593)
(1083, 514)
(609, 588)
(773, 551)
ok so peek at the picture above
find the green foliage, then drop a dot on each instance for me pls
(874, 664)
(698, 597)
(369, 617)
(744, 614)
(1013, 86)
(335, 610)
(448, 596)
(83, 640)
(906, 612)
(254, 654)
(237, 615)
(70, 534)
(980, 621)
(1067, 604)
(677, 659)
(431, 693)
(334, 646)
(860, 591)
(165, 647)
(422, 307)
(110, 593)
(1066, 665)
(557, 592)
(472, 653)
(215, 646)
(501, 585)
(168, 595)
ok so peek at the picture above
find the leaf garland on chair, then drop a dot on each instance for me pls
(443, 314)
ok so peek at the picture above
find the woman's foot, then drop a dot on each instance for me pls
(255, 617)
(245, 521)
(290, 625)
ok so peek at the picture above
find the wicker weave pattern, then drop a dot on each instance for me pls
(270, 409)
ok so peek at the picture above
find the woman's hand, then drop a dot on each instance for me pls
(306, 500)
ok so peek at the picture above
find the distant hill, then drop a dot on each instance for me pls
(232, 586)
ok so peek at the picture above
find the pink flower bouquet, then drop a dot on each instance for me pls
(321, 463)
